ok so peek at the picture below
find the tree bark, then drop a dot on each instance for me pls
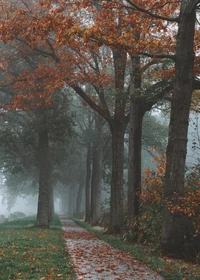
(63, 203)
(70, 201)
(172, 240)
(88, 183)
(116, 200)
(117, 125)
(135, 141)
(44, 178)
(51, 203)
(79, 199)
(96, 184)
(134, 160)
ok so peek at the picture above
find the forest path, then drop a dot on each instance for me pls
(92, 258)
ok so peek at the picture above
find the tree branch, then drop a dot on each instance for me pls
(160, 89)
(42, 52)
(89, 101)
(100, 91)
(152, 62)
(176, 19)
(53, 51)
(169, 56)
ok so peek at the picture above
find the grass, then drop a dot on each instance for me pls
(28, 252)
(171, 269)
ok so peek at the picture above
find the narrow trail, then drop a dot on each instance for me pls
(92, 258)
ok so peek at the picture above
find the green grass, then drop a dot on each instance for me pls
(168, 268)
(27, 252)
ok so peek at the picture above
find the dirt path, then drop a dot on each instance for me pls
(93, 258)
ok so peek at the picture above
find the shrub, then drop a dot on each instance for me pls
(147, 227)
(16, 215)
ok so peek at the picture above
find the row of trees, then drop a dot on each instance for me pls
(121, 57)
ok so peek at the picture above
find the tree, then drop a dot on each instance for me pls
(43, 217)
(31, 149)
(118, 122)
(90, 131)
(173, 225)
(96, 182)
(138, 107)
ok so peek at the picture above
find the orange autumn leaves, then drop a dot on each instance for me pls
(77, 30)
(188, 205)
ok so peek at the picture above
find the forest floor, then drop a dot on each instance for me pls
(93, 258)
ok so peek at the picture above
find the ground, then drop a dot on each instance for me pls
(92, 258)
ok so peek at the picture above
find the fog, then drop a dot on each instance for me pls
(27, 205)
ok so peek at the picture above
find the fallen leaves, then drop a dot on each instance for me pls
(92, 258)
(33, 254)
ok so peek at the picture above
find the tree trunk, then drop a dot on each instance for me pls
(134, 159)
(63, 203)
(79, 199)
(44, 183)
(135, 141)
(88, 183)
(51, 203)
(117, 125)
(172, 239)
(70, 201)
(96, 184)
(116, 202)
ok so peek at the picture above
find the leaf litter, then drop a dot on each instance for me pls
(92, 258)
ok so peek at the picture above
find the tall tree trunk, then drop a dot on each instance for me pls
(51, 203)
(117, 126)
(44, 182)
(134, 159)
(88, 183)
(116, 202)
(172, 240)
(63, 203)
(70, 201)
(135, 141)
(79, 199)
(96, 184)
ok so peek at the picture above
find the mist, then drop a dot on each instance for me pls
(26, 205)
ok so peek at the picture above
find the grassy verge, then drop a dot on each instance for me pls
(168, 268)
(27, 252)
